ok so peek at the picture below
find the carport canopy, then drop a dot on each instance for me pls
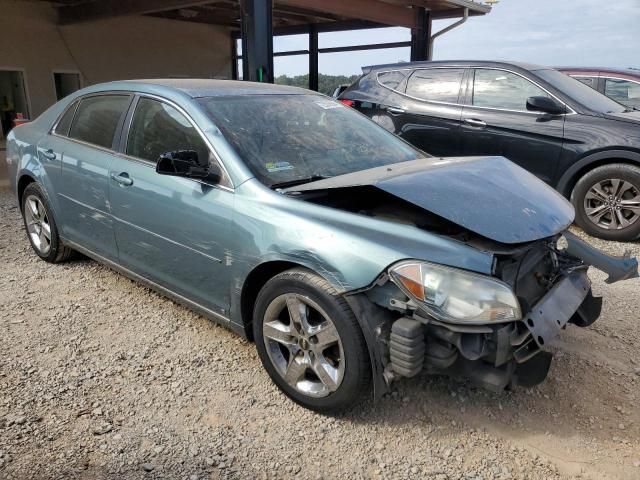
(257, 21)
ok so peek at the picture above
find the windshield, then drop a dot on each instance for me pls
(288, 139)
(581, 93)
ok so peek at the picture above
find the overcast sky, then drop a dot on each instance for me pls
(551, 32)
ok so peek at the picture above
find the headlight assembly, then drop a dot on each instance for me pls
(454, 295)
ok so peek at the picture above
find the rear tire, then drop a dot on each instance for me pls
(607, 202)
(41, 227)
(318, 356)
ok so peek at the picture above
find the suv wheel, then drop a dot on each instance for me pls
(607, 202)
(310, 342)
(41, 227)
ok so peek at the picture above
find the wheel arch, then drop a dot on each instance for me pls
(23, 182)
(253, 283)
(569, 179)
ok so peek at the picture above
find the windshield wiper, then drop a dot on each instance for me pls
(300, 181)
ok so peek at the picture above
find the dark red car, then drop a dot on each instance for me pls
(619, 84)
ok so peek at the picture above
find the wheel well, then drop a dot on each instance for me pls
(22, 184)
(252, 286)
(568, 190)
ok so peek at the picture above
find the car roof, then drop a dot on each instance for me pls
(197, 87)
(455, 63)
(595, 70)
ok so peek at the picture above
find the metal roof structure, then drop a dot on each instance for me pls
(329, 14)
(257, 21)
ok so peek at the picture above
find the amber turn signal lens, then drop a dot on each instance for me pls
(410, 275)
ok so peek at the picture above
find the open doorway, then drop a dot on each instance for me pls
(13, 101)
(66, 83)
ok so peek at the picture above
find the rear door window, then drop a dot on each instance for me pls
(436, 84)
(503, 90)
(97, 119)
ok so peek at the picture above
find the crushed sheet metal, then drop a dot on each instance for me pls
(490, 196)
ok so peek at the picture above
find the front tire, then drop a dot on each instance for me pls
(41, 227)
(310, 342)
(607, 202)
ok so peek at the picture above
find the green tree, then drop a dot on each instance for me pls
(326, 83)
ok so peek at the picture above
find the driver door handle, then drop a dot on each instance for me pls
(395, 110)
(474, 122)
(123, 179)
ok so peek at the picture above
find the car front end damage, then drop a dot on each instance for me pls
(498, 331)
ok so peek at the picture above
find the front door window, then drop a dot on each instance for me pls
(158, 128)
(503, 90)
(625, 92)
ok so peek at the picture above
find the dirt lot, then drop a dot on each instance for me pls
(101, 378)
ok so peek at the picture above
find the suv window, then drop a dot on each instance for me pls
(590, 81)
(501, 89)
(623, 91)
(391, 79)
(159, 128)
(62, 128)
(437, 84)
(97, 119)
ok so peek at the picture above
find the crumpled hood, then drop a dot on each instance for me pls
(490, 196)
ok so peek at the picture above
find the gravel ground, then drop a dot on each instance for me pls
(102, 378)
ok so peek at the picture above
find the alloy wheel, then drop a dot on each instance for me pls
(303, 344)
(612, 204)
(38, 225)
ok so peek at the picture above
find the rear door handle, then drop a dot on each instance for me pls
(123, 179)
(49, 154)
(474, 122)
(395, 110)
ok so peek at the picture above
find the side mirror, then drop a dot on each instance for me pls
(546, 105)
(185, 163)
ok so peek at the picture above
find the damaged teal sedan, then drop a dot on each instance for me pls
(349, 257)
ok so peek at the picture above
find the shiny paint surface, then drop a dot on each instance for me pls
(535, 144)
(172, 230)
(556, 148)
(83, 195)
(481, 185)
(198, 240)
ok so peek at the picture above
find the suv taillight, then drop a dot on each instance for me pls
(348, 103)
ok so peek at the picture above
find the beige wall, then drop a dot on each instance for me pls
(113, 49)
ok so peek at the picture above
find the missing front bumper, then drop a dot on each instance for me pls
(494, 356)
(552, 313)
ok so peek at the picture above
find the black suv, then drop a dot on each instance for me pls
(582, 143)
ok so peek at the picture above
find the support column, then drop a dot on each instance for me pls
(421, 35)
(313, 57)
(234, 58)
(257, 40)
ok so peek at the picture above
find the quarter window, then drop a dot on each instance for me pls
(62, 128)
(436, 84)
(391, 79)
(158, 128)
(97, 118)
(504, 90)
(590, 81)
(623, 91)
